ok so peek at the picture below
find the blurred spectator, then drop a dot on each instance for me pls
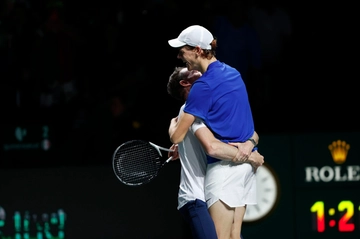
(54, 57)
(274, 27)
(238, 42)
(109, 124)
(16, 31)
(239, 46)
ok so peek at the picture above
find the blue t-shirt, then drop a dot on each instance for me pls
(220, 99)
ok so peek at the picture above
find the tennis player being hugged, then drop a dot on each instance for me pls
(191, 197)
(219, 98)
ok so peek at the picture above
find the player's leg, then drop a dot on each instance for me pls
(197, 215)
(223, 217)
(238, 219)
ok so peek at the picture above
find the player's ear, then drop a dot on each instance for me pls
(198, 50)
(184, 83)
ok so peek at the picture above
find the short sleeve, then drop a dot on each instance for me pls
(198, 123)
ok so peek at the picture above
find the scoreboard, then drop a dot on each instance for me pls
(327, 186)
(23, 142)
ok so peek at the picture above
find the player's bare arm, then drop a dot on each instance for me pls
(179, 127)
(246, 148)
(217, 149)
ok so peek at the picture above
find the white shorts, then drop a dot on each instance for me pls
(234, 184)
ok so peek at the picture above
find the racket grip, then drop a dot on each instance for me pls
(169, 159)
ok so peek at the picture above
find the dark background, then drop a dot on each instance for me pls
(95, 74)
(92, 69)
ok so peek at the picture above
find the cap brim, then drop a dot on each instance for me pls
(176, 43)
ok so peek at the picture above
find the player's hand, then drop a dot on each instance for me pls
(244, 151)
(256, 160)
(174, 120)
(175, 153)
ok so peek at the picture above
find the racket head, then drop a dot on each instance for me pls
(136, 162)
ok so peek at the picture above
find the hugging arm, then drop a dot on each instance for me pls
(229, 152)
(179, 126)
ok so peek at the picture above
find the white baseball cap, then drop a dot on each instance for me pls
(193, 36)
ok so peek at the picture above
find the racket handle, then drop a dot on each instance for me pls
(169, 159)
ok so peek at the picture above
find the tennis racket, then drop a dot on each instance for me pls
(137, 162)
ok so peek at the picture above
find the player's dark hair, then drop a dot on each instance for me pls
(174, 88)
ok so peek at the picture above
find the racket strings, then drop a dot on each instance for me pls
(136, 162)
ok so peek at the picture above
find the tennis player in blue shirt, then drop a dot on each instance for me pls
(219, 97)
(192, 154)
